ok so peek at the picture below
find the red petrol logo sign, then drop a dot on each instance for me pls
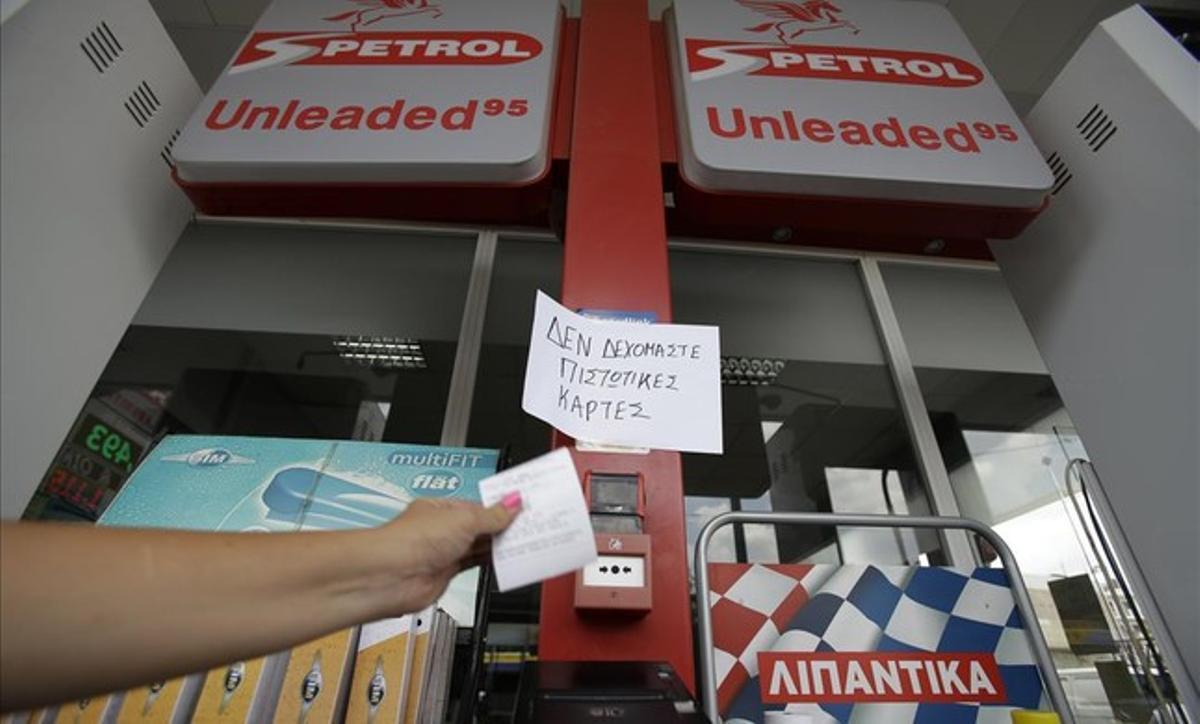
(370, 12)
(714, 58)
(391, 48)
(842, 678)
(790, 20)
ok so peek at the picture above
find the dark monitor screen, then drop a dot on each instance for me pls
(614, 493)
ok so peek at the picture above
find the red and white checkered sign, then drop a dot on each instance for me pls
(751, 607)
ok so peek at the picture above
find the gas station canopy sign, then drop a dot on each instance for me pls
(382, 91)
(872, 99)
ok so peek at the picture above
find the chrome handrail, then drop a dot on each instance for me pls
(1037, 642)
(1112, 551)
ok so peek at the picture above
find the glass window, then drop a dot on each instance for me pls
(497, 420)
(1001, 427)
(811, 419)
(285, 332)
(1006, 441)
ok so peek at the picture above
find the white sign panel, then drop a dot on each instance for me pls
(851, 98)
(625, 383)
(553, 533)
(389, 91)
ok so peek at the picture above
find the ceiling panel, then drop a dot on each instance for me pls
(1103, 10)
(206, 50)
(1034, 38)
(984, 22)
(236, 12)
(190, 12)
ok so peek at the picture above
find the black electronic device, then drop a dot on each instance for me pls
(616, 502)
(590, 692)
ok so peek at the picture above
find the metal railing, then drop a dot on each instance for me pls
(1024, 604)
(1127, 596)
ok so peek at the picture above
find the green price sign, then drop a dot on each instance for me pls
(108, 443)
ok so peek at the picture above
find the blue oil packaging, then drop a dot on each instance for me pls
(221, 483)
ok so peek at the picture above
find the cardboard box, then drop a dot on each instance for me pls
(37, 716)
(95, 710)
(379, 690)
(437, 689)
(244, 691)
(422, 661)
(165, 702)
(316, 683)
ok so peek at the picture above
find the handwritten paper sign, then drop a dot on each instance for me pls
(553, 534)
(625, 383)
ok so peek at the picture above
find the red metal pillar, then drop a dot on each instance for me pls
(616, 259)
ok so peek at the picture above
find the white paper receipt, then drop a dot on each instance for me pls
(553, 534)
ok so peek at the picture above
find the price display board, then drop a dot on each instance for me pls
(110, 444)
(91, 466)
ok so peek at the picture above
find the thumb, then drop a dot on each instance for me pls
(496, 518)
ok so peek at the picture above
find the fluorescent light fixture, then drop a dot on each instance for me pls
(381, 352)
(755, 371)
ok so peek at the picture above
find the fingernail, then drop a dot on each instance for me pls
(511, 501)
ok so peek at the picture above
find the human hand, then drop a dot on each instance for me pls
(210, 598)
(437, 539)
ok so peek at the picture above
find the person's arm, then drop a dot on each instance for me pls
(87, 610)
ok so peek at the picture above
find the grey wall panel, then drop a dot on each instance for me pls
(89, 211)
(1107, 281)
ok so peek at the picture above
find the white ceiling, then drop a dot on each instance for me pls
(1024, 42)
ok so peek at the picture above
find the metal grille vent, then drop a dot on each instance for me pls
(142, 104)
(1096, 128)
(166, 151)
(1062, 173)
(102, 47)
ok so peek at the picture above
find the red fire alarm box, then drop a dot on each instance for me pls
(619, 580)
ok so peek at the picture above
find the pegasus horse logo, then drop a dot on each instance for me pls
(372, 11)
(791, 20)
